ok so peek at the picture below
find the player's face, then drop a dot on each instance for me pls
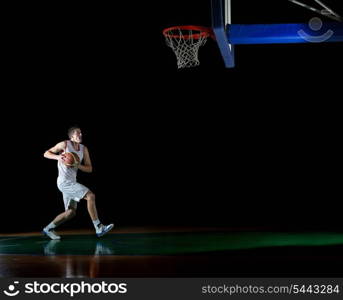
(77, 136)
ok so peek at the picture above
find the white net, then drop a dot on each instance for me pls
(185, 44)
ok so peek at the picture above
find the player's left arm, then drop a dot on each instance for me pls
(87, 164)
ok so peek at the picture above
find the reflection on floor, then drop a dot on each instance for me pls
(173, 252)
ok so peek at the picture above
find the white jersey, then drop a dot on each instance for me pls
(68, 174)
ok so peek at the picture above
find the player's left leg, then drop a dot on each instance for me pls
(93, 213)
(91, 207)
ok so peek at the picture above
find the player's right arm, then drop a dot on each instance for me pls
(54, 152)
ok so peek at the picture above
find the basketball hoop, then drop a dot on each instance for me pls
(185, 42)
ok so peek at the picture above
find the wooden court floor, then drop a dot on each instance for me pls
(173, 252)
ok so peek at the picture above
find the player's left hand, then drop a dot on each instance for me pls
(76, 165)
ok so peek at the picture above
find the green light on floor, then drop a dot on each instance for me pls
(164, 243)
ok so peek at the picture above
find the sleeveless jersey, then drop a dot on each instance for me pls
(68, 174)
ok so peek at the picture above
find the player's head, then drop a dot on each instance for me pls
(75, 134)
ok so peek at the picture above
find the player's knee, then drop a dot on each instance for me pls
(90, 196)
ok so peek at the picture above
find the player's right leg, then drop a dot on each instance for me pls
(61, 218)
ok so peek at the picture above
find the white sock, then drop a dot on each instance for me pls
(96, 223)
(50, 226)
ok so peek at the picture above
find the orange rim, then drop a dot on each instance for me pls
(203, 32)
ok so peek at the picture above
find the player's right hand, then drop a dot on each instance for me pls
(61, 158)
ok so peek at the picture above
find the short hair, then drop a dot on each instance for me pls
(72, 129)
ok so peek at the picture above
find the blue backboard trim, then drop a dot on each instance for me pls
(219, 30)
(228, 35)
(240, 34)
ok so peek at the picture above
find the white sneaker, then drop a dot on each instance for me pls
(51, 234)
(103, 229)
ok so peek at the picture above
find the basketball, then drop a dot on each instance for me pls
(71, 159)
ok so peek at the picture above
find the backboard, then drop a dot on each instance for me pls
(228, 34)
(221, 20)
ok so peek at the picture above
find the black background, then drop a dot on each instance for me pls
(258, 145)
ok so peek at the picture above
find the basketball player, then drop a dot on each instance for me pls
(73, 191)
